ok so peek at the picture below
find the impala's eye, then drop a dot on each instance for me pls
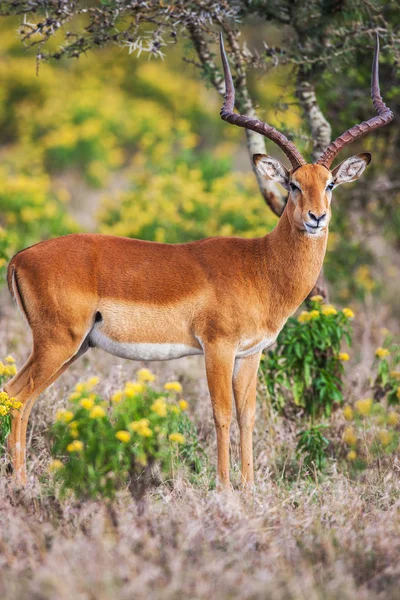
(294, 187)
(330, 186)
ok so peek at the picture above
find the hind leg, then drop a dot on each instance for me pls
(244, 389)
(42, 368)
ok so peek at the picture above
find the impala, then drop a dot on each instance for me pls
(224, 297)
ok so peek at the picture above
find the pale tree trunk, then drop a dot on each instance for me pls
(320, 128)
(270, 190)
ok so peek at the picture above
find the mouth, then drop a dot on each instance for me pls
(312, 229)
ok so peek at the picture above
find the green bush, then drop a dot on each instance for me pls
(181, 206)
(100, 446)
(306, 367)
(304, 373)
(312, 445)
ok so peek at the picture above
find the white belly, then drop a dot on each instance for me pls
(248, 347)
(140, 351)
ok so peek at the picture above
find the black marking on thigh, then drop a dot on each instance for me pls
(98, 317)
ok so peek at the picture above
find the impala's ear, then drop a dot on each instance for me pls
(351, 168)
(272, 169)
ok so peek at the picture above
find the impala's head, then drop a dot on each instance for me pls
(310, 186)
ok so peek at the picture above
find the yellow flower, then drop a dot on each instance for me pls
(395, 374)
(16, 404)
(123, 436)
(348, 313)
(145, 432)
(159, 407)
(177, 437)
(3, 411)
(303, 317)
(93, 381)
(73, 429)
(10, 359)
(145, 375)
(135, 425)
(80, 387)
(349, 436)
(173, 386)
(364, 406)
(382, 352)
(393, 418)
(97, 412)
(314, 314)
(141, 427)
(117, 397)
(348, 413)
(133, 388)
(87, 403)
(174, 409)
(64, 416)
(328, 310)
(385, 437)
(183, 405)
(74, 396)
(7, 370)
(75, 446)
(55, 465)
(317, 298)
(343, 356)
(352, 455)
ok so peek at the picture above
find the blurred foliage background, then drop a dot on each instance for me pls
(120, 144)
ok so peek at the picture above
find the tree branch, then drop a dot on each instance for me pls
(320, 128)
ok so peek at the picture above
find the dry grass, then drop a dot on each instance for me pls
(291, 538)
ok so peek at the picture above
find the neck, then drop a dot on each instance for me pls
(292, 262)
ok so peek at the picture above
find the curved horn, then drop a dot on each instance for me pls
(227, 114)
(384, 117)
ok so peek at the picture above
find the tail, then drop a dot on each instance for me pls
(10, 275)
(15, 290)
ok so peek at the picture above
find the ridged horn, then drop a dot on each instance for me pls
(227, 114)
(384, 117)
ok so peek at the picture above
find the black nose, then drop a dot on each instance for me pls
(314, 216)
